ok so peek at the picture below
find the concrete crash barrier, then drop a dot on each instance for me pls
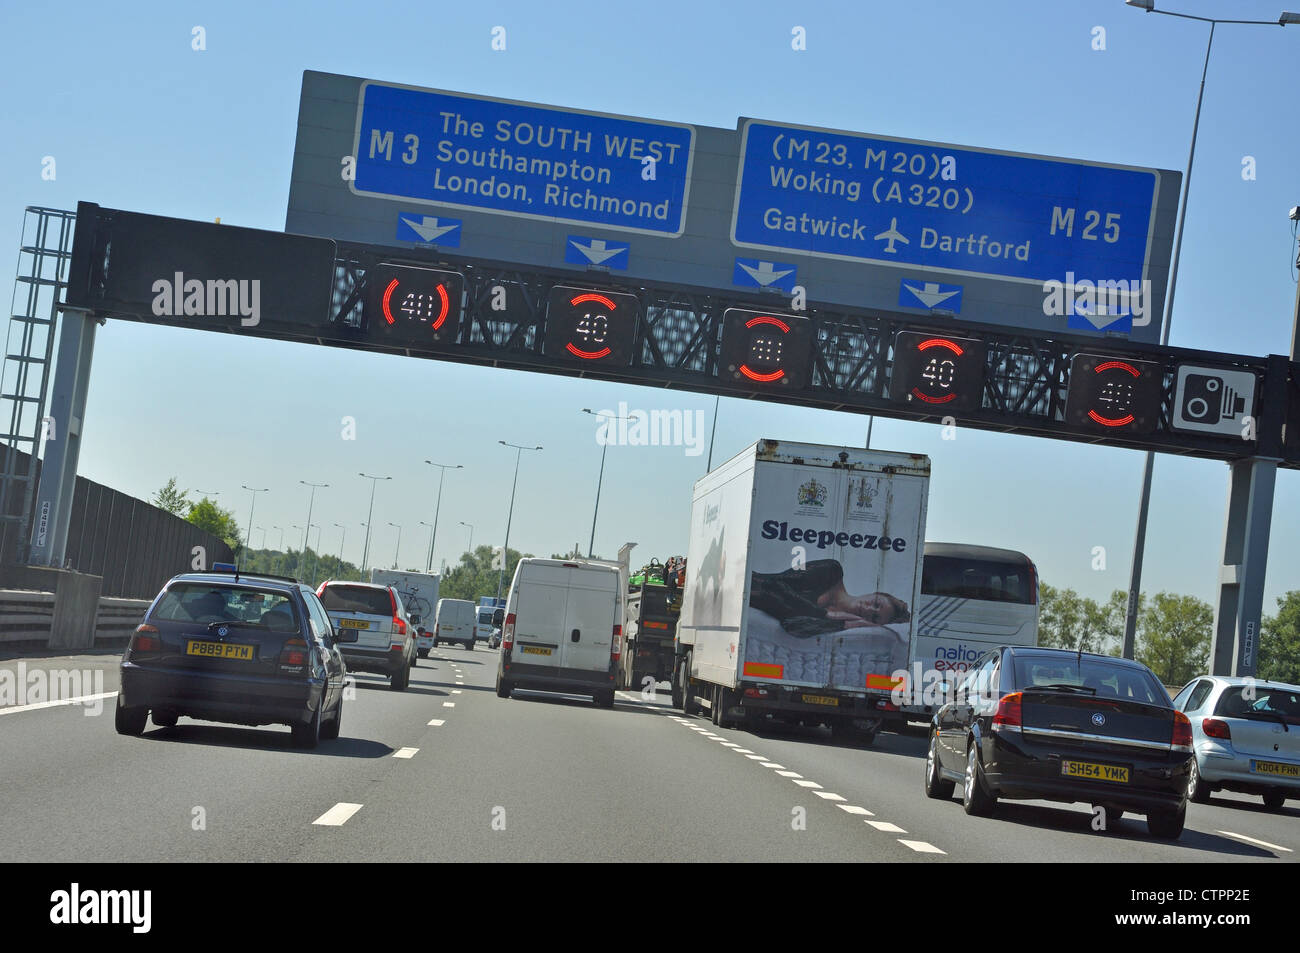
(27, 620)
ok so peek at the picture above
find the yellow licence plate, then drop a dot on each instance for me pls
(820, 700)
(1097, 772)
(1272, 767)
(353, 624)
(242, 653)
(535, 650)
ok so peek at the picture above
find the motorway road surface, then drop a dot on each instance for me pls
(446, 771)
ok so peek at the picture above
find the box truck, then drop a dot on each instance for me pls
(419, 592)
(803, 574)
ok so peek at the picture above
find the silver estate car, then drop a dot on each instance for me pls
(1246, 733)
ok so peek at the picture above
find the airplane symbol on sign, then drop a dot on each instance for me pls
(894, 235)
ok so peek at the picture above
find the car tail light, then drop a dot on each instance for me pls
(145, 641)
(508, 633)
(616, 644)
(1182, 736)
(756, 693)
(293, 656)
(1008, 713)
(1215, 728)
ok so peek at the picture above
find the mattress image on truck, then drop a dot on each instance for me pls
(846, 657)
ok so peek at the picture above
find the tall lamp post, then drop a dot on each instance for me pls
(591, 546)
(311, 500)
(442, 473)
(397, 552)
(342, 539)
(365, 551)
(505, 550)
(1139, 542)
(471, 535)
(253, 501)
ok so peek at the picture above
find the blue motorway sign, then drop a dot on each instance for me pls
(937, 207)
(461, 151)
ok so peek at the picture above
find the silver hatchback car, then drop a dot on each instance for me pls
(1246, 733)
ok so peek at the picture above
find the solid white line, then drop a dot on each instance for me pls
(828, 795)
(887, 827)
(921, 847)
(854, 809)
(790, 774)
(80, 699)
(405, 752)
(1261, 843)
(806, 784)
(338, 815)
(773, 764)
(437, 723)
(448, 704)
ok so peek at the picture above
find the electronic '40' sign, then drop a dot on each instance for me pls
(590, 326)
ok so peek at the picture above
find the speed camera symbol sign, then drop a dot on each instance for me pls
(1213, 399)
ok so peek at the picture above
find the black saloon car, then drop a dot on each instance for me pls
(1057, 725)
(229, 647)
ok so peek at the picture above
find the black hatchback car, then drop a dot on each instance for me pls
(1029, 723)
(230, 647)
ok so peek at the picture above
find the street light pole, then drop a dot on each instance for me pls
(505, 550)
(252, 502)
(1144, 505)
(365, 551)
(398, 551)
(342, 538)
(471, 536)
(310, 501)
(442, 473)
(591, 546)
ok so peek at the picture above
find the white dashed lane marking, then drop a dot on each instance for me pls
(887, 827)
(854, 809)
(773, 764)
(828, 795)
(34, 706)
(437, 723)
(808, 784)
(1261, 843)
(790, 774)
(921, 847)
(448, 704)
(338, 815)
(405, 752)
(455, 691)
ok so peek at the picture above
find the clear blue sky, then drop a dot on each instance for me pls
(136, 119)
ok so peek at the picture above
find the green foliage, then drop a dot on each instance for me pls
(1174, 637)
(171, 499)
(206, 515)
(1068, 620)
(475, 576)
(1279, 642)
(306, 566)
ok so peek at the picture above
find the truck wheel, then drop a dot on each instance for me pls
(677, 690)
(504, 688)
(717, 705)
(424, 653)
(689, 705)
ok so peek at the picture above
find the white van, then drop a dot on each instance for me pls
(563, 629)
(455, 621)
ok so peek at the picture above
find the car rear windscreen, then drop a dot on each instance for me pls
(1106, 679)
(205, 602)
(987, 580)
(1263, 702)
(357, 599)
